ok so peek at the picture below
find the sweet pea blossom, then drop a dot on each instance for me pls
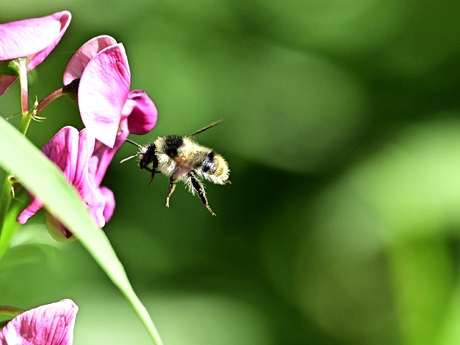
(110, 112)
(50, 324)
(139, 113)
(83, 163)
(33, 39)
(105, 102)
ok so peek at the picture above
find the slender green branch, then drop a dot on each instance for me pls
(48, 99)
(69, 90)
(11, 311)
(26, 115)
(7, 189)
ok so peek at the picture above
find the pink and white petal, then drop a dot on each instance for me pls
(62, 150)
(32, 38)
(103, 91)
(141, 111)
(72, 150)
(64, 19)
(34, 206)
(83, 56)
(109, 203)
(85, 150)
(51, 324)
(27, 37)
(103, 156)
(95, 202)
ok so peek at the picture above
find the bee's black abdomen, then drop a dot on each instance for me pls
(208, 164)
(172, 144)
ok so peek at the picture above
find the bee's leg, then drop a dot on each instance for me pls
(171, 188)
(152, 174)
(198, 187)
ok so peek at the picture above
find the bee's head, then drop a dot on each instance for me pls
(147, 157)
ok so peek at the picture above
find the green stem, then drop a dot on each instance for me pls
(48, 99)
(26, 115)
(9, 224)
(7, 192)
(11, 311)
(20, 67)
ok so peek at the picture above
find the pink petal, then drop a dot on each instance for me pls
(82, 57)
(95, 201)
(141, 111)
(32, 38)
(71, 151)
(83, 180)
(34, 206)
(103, 91)
(103, 156)
(61, 150)
(64, 19)
(109, 203)
(28, 37)
(50, 324)
(84, 151)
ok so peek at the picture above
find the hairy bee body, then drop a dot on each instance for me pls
(182, 159)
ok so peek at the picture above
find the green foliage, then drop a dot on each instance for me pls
(342, 130)
(59, 198)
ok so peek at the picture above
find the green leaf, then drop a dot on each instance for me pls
(43, 179)
(9, 227)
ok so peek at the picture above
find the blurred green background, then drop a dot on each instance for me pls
(342, 131)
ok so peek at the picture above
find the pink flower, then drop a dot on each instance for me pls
(50, 324)
(140, 112)
(106, 105)
(33, 39)
(84, 163)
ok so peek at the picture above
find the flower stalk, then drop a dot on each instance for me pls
(20, 65)
(11, 311)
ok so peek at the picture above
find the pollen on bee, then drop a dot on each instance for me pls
(222, 170)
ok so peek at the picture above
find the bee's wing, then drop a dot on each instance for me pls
(205, 128)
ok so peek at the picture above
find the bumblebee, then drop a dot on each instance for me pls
(182, 159)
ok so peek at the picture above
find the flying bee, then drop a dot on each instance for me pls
(181, 159)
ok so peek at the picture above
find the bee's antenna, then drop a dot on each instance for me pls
(133, 156)
(134, 143)
(205, 128)
(128, 158)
